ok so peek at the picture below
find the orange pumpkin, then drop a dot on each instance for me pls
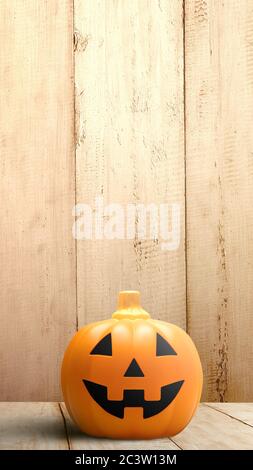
(131, 376)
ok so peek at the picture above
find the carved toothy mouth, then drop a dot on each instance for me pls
(133, 398)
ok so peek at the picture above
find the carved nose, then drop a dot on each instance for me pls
(134, 370)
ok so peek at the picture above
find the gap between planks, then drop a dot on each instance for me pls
(65, 425)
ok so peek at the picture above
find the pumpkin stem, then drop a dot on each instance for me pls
(129, 306)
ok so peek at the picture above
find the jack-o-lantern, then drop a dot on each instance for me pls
(131, 376)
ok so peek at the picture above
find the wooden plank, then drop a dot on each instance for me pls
(80, 441)
(37, 277)
(219, 169)
(31, 426)
(129, 147)
(241, 411)
(212, 430)
(44, 426)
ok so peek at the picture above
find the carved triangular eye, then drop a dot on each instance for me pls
(163, 348)
(104, 347)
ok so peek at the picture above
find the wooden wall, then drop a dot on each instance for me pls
(136, 101)
(219, 193)
(37, 191)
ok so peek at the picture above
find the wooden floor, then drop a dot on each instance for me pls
(48, 426)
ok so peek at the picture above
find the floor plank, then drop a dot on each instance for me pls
(31, 426)
(212, 430)
(80, 441)
(42, 426)
(241, 411)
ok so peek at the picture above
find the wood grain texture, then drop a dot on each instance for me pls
(48, 426)
(79, 441)
(129, 147)
(37, 277)
(219, 173)
(129, 138)
(212, 430)
(31, 426)
(241, 411)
